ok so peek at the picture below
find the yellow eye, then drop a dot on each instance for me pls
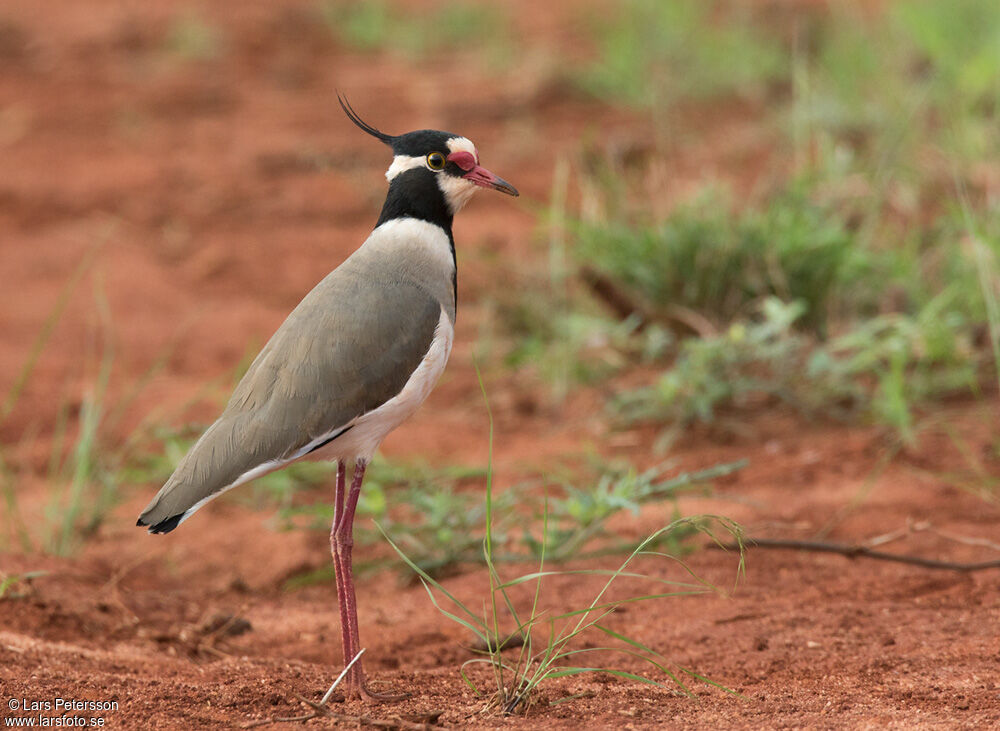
(436, 161)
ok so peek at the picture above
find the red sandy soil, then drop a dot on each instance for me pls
(190, 185)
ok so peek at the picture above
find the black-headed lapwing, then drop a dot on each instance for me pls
(353, 360)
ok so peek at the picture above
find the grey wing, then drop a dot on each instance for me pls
(326, 365)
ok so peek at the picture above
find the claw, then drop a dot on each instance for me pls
(368, 694)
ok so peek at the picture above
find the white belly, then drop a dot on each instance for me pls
(368, 430)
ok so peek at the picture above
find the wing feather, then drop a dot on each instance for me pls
(348, 347)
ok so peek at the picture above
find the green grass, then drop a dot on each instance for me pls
(859, 283)
(17, 586)
(720, 261)
(87, 467)
(437, 516)
(376, 25)
(783, 300)
(880, 370)
(650, 53)
(82, 472)
(192, 38)
(554, 641)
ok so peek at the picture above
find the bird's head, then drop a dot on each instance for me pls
(450, 160)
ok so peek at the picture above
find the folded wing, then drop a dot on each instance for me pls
(345, 350)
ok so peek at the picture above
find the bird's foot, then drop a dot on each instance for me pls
(384, 696)
(363, 692)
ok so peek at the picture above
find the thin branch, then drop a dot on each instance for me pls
(281, 719)
(329, 693)
(966, 540)
(388, 723)
(625, 304)
(319, 710)
(855, 551)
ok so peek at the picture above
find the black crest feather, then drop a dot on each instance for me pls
(353, 116)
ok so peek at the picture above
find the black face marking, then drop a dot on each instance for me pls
(415, 193)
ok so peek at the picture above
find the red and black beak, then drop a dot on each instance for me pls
(479, 175)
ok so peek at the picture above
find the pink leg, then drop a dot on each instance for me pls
(346, 539)
(338, 562)
(356, 682)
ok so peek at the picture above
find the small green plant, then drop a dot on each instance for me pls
(553, 642)
(548, 640)
(87, 468)
(720, 264)
(440, 526)
(83, 474)
(763, 358)
(10, 583)
(576, 518)
(86, 473)
(880, 369)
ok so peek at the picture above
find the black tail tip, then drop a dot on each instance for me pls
(164, 526)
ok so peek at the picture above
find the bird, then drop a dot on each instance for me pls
(354, 359)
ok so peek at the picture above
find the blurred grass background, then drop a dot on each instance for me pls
(858, 282)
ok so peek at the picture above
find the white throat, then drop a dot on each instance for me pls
(457, 191)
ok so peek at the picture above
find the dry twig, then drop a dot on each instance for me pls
(393, 722)
(855, 551)
(625, 304)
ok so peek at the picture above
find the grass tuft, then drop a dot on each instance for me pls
(879, 370)
(721, 263)
(549, 640)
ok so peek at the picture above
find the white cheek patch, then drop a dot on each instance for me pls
(402, 163)
(457, 191)
(463, 144)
